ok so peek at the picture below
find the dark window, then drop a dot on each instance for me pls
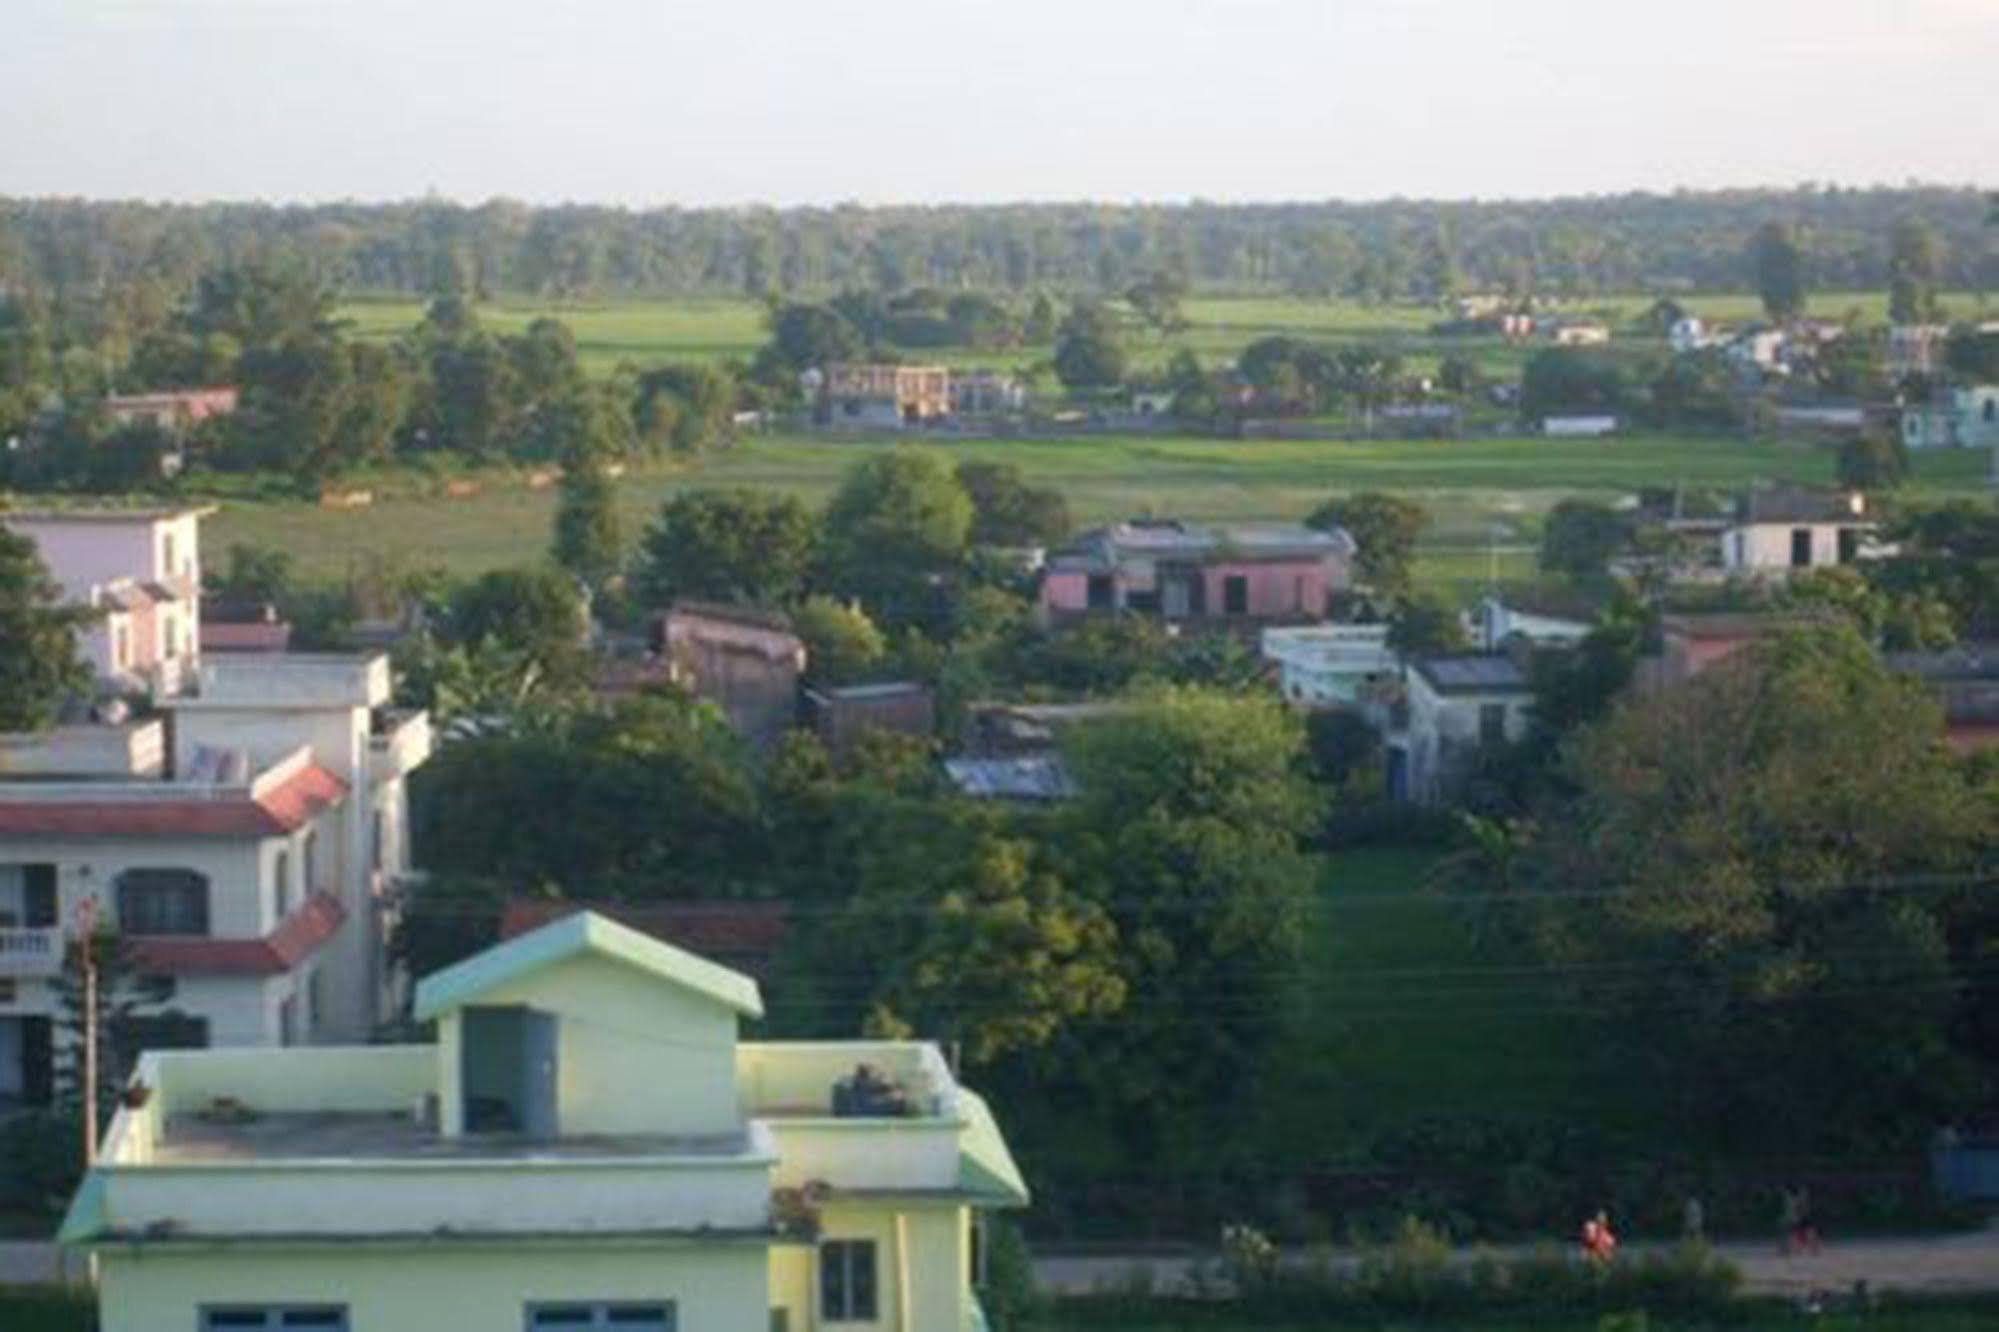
(38, 894)
(272, 1317)
(1491, 723)
(847, 1281)
(162, 901)
(1235, 595)
(281, 875)
(1849, 545)
(657, 1316)
(309, 862)
(1992, 409)
(1801, 547)
(1100, 594)
(133, 1036)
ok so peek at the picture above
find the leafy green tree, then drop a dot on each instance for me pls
(1873, 459)
(1385, 529)
(258, 305)
(754, 547)
(1089, 352)
(125, 992)
(685, 408)
(537, 612)
(1156, 299)
(1559, 380)
(1341, 747)
(898, 522)
(1425, 623)
(806, 337)
(1006, 511)
(1580, 537)
(1948, 551)
(1778, 262)
(255, 573)
(589, 540)
(41, 667)
(1973, 353)
(1913, 260)
(1752, 848)
(842, 644)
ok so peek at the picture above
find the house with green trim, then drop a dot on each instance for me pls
(588, 1144)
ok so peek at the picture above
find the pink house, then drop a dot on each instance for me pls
(1188, 572)
(172, 409)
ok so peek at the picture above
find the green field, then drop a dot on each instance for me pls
(1483, 491)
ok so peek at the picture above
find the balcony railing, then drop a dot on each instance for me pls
(30, 952)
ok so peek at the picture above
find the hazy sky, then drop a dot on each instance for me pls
(787, 101)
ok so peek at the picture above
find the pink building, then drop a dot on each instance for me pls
(173, 409)
(1188, 572)
(141, 570)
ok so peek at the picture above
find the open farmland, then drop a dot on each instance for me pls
(1483, 491)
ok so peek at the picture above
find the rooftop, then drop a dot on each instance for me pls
(1019, 777)
(222, 800)
(1801, 504)
(1163, 539)
(108, 514)
(1473, 673)
(1718, 626)
(198, 1139)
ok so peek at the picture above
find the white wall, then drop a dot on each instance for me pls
(1443, 728)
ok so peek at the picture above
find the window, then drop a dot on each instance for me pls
(1491, 723)
(132, 1036)
(377, 841)
(658, 1316)
(847, 1281)
(162, 901)
(167, 561)
(1235, 595)
(1801, 547)
(1849, 545)
(310, 862)
(281, 883)
(1100, 594)
(171, 627)
(268, 1317)
(121, 646)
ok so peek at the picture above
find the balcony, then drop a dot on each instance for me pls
(31, 952)
(898, 1128)
(400, 744)
(339, 1142)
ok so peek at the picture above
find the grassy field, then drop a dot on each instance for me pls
(1482, 491)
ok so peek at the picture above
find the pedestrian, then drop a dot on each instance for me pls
(1599, 1242)
(1693, 1220)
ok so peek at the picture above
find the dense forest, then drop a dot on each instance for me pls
(1397, 249)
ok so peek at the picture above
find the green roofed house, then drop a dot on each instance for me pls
(587, 1145)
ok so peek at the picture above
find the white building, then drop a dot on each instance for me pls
(255, 864)
(1957, 418)
(1503, 619)
(1689, 334)
(1458, 705)
(1781, 529)
(1579, 426)
(141, 568)
(1333, 665)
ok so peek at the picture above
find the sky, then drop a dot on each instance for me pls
(724, 102)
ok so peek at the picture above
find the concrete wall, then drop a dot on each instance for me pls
(1444, 731)
(1768, 545)
(716, 1288)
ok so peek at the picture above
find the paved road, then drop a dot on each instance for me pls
(1933, 1264)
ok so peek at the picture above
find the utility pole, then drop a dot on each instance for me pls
(86, 930)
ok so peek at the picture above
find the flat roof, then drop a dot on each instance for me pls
(396, 1135)
(1474, 673)
(108, 515)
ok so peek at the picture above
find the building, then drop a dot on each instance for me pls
(1579, 333)
(1540, 617)
(1006, 729)
(843, 714)
(243, 626)
(1825, 420)
(885, 397)
(588, 1144)
(1778, 529)
(745, 661)
(141, 569)
(174, 410)
(739, 933)
(1759, 349)
(1459, 704)
(1025, 779)
(1915, 349)
(1954, 418)
(1185, 572)
(986, 393)
(1583, 425)
(1334, 665)
(1689, 334)
(251, 852)
(1691, 642)
(1965, 680)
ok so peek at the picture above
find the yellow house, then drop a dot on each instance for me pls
(588, 1145)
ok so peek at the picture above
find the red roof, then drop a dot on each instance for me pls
(296, 938)
(179, 811)
(746, 934)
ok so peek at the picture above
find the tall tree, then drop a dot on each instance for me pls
(589, 540)
(537, 612)
(898, 523)
(1778, 261)
(1006, 511)
(1089, 352)
(1385, 529)
(1913, 261)
(755, 547)
(1580, 537)
(40, 667)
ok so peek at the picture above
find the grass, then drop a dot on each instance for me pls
(1481, 491)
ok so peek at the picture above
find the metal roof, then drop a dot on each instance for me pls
(1021, 777)
(1476, 673)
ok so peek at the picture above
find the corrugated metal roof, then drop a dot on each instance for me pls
(1021, 777)
(1473, 673)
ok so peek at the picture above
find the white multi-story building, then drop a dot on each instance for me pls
(141, 570)
(252, 859)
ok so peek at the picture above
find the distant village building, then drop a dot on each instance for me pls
(745, 661)
(986, 393)
(1689, 334)
(1015, 779)
(140, 569)
(1780, 529)
(1965, 680)
(1915, 349)
(242, 626)
(1821, 419)
(1579, 426)
(174, 410)
(1579, 333)
(1536, 617)
(844, 715)
(885, 397)
(1459, 704)
(1954, 418)
(1692, 642)
(1187, 572)
(1334, 665)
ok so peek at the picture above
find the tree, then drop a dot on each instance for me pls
(1580, 537)
(588, 542)
(1385, 529)
(255, 573)
(841, 643)
(807, 337)
(1874, 458)
(1156, 298)
(537, 612)
(1341, 746)
(1089, 353)
(1949, 552)
(753, 547)
(124, 989)
(1424, 624)
(1750, 849)
(1006, 511)
(899, 522)
(1913, 260)
(41, 668)
(1558, 380)
(1779, 267)
(686, 408)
